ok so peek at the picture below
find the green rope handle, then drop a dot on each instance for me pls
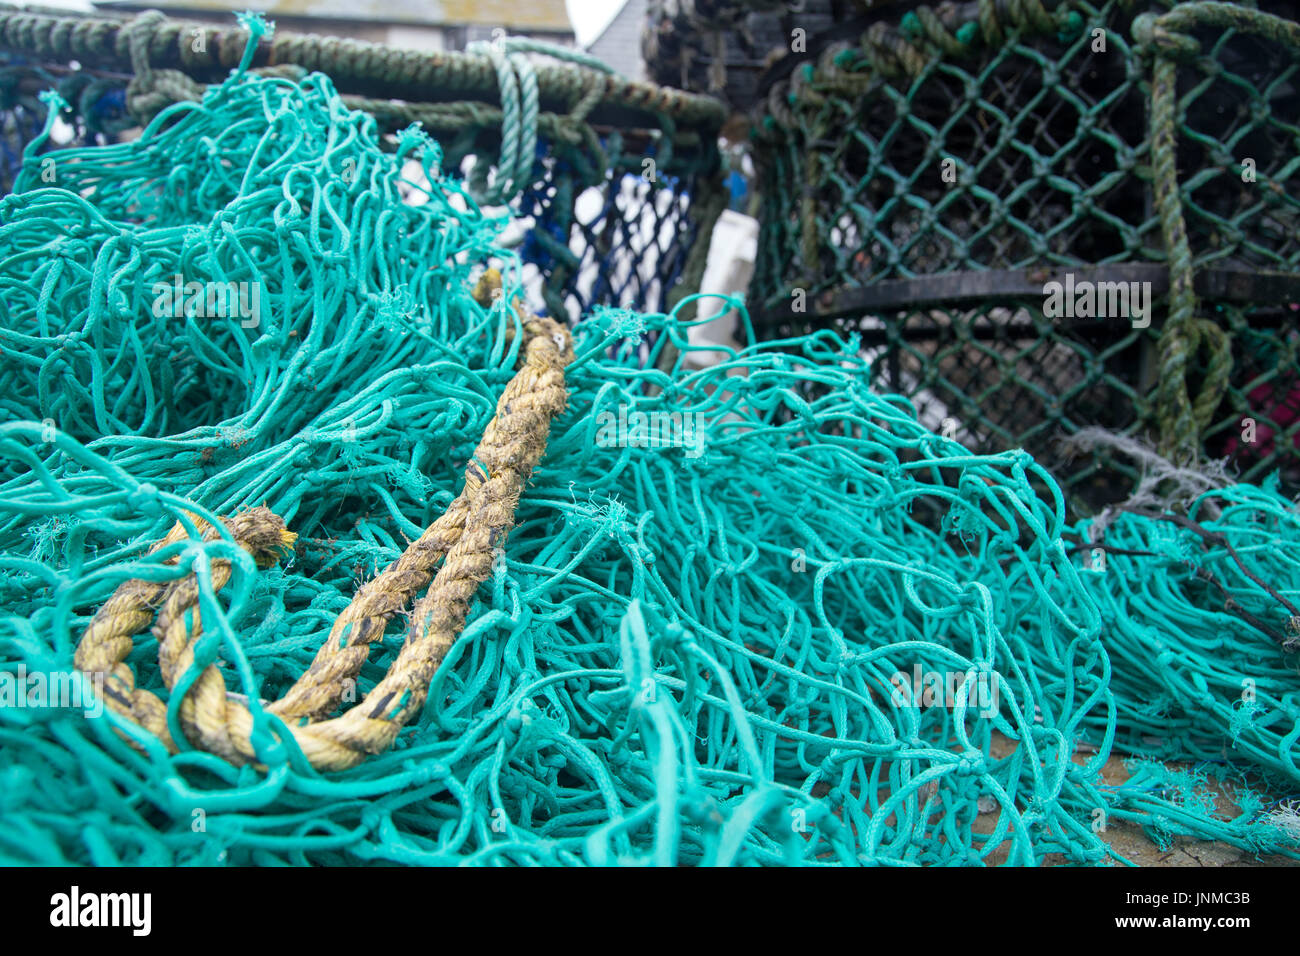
(151, 90)
(1180, 419)
(517, 81)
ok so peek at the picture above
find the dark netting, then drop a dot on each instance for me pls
(921, 184)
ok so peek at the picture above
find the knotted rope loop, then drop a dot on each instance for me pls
(1181, 418)
(1155, 35)
(465, 539)
(518, 87)
(108, 639)
(150, 91)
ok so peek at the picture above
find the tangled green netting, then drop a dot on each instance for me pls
(681, 658)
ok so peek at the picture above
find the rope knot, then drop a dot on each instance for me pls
(1151, 32)
(146, 498)
(150, 91)
(972, 764)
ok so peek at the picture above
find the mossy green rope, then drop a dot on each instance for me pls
(1182, 420)
(50, 37)
(1072, 167)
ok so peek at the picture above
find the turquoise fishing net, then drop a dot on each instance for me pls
(782, 624)
(1203, 655)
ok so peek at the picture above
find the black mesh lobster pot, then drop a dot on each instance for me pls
(1040, 217)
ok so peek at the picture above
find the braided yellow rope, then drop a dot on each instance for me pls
(108, 639)
(463, 538)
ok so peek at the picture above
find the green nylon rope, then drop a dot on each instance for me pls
(697, 646)
(517, 80)
(1181, 420)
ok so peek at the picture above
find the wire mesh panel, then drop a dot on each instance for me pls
(608, 216)
(625, 241)
(928, 182)
(624, 178)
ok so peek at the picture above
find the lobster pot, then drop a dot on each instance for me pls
(976, 191)
(614, 208)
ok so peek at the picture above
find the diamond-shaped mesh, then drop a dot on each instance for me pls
(1048, 142)
(628, 240)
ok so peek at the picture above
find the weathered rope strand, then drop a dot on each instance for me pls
(1182, 419)
(355, 65)
(468, 534)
